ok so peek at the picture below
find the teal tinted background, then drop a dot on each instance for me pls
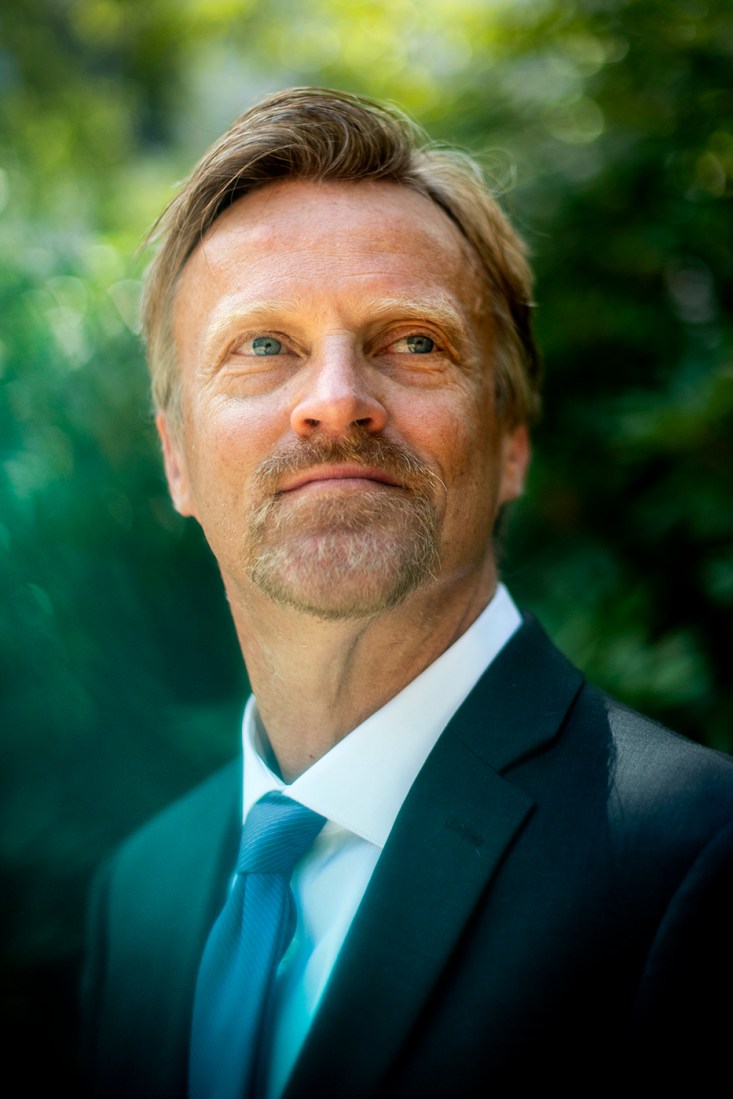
(609, 127)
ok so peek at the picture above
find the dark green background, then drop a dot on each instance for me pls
(609, 125)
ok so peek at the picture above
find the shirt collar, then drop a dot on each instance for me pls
(361, 783)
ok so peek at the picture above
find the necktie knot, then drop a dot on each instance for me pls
(275, 835)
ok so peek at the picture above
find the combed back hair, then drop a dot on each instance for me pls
(318, 134)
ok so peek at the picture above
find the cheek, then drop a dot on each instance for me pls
(441, 420)
(463, 440)
(229, 438)
(471, 460)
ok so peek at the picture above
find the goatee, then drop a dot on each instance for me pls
(344, 555)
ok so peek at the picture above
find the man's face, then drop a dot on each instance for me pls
(339, 443)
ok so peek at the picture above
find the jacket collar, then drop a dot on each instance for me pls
(454, 828)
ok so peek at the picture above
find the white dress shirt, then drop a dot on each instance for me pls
(359, 787)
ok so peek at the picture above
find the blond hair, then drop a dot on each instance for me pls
(320, 134)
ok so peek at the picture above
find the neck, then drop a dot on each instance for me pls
(316, 680)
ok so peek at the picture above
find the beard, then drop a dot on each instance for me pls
(347, 555)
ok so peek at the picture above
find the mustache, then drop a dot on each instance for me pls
(357, 448)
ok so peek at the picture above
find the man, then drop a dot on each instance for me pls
(518, 880)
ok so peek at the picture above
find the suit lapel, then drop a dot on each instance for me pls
(453, 831)
(157, 901)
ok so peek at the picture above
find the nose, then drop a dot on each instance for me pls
(337, 395)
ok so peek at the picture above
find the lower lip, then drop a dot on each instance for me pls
(346, 484)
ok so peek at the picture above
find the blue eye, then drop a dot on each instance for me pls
(420, 345)
(266, 345)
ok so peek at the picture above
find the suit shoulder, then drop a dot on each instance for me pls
(647, 738)
(654, 773)
(647, 773)
(184, 831)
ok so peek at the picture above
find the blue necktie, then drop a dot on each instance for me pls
(244, 948)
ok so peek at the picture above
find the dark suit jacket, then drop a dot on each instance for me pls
(554, 906)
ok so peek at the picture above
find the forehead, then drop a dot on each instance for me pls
(333, 239)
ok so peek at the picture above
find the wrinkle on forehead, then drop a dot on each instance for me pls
(321, 205)
(311, 223)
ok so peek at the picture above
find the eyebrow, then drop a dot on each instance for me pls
(250, 314)
(438, 309)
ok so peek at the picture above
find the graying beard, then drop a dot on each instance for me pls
(420, 558)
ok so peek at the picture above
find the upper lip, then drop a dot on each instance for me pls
(337, 473)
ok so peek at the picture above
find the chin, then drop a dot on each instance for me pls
(344, 576)
(338, 559)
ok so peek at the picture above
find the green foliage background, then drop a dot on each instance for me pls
(609, 126)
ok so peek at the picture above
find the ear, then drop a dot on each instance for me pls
(175, 466)
(514, 458)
